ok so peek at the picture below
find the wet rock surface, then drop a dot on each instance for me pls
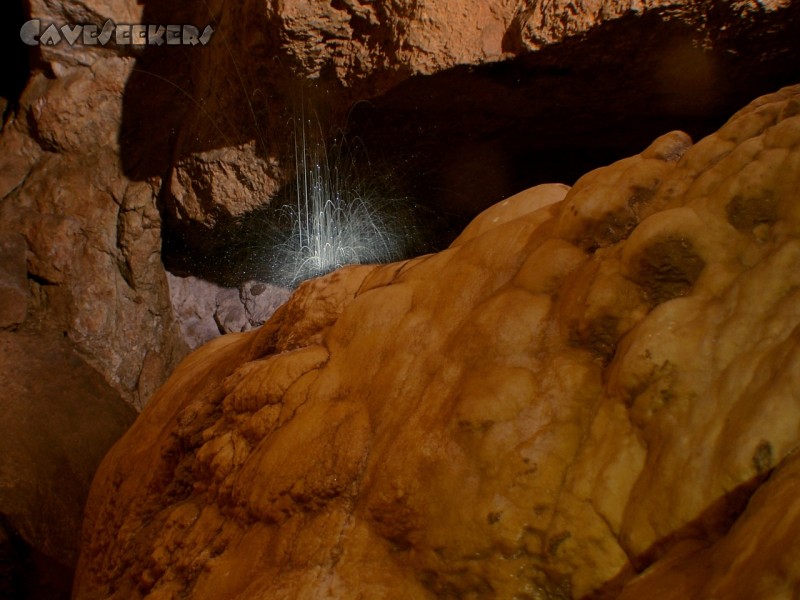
(592, 391)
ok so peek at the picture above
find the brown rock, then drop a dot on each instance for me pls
(95, 12)
(362, 41)
(539, 24)
(19, 154)
(528, 413)
(13, 280)
(59, 417)
(762, 541)
(221, 120)
(94, 263)
(79, 109)
(93, 236)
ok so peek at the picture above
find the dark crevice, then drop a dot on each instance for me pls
(710, 526)
(28, 574)
(16, 58)
(40, 280)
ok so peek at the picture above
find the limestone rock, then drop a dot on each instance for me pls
(538, 24)
(80, 108)
(361, 41)
(260, 300)
(19, 154)
(599, 393)
(220, 116)
(762, 540)
(71, 12)
(193, 303)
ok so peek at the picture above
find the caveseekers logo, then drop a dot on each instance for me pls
(35, 33)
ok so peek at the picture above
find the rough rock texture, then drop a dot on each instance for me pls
(204, 310)
(594, 389)
(480, 134)
(58, 419)
(538, 24)
(92, 237)
(85, 316)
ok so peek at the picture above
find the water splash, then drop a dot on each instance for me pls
(337, 217)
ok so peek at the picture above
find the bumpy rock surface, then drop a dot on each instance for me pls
(85, 317)
(88, 239)
(593, 390)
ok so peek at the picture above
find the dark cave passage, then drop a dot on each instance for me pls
(471, 136)
(16, 62)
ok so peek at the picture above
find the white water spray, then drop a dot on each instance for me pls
(336, 219)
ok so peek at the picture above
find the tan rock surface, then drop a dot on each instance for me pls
(544, 410)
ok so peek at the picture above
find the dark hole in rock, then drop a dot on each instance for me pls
(26, 573)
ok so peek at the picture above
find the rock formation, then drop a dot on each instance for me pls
(438, 77)
(115, 160)
(86, 328)
(58, 418)
(91, 253)
(594, 391)
(204, 310)
(109, 151)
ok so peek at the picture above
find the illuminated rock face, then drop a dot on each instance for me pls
(591, 383)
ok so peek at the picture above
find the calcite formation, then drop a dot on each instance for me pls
(594, 391)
